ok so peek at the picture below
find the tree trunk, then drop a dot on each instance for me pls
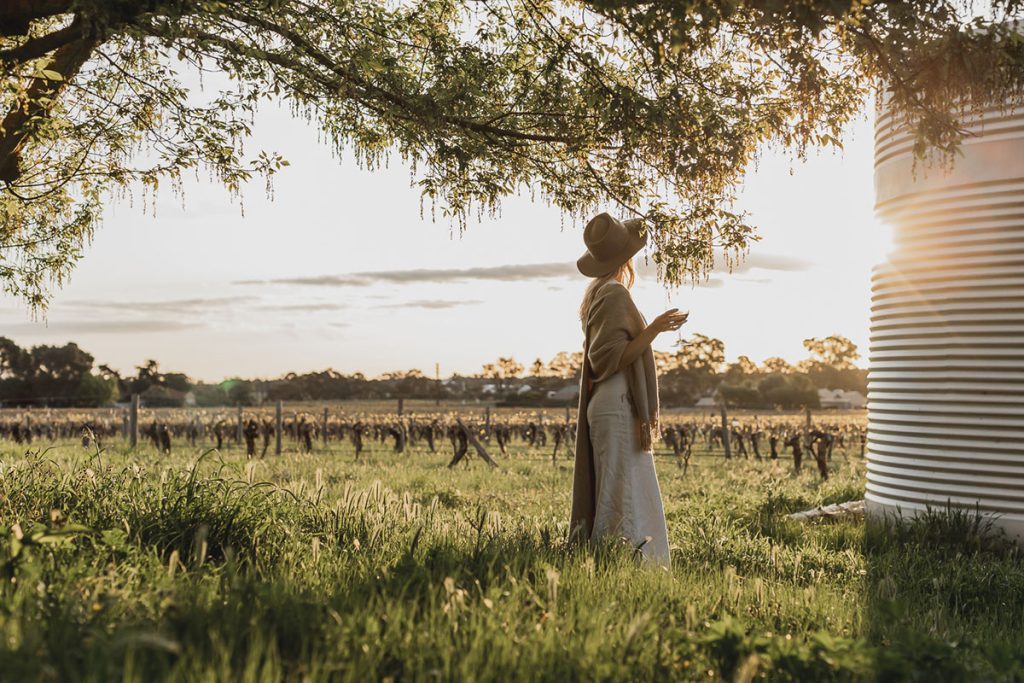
(16, 15)
(17, 126)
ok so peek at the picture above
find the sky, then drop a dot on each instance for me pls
(344, 268)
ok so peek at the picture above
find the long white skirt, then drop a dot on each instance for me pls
(628, 499)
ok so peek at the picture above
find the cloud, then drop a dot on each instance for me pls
(201, 305)
(778, 262)
(758, 261)
(101, 327)
(315, 281)
(508, 273)
(196, 305)
(300, 308)
(710, 283)
(434, 303)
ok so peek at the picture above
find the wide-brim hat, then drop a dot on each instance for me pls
(610, 243)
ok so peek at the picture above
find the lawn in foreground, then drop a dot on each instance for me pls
(138, 566)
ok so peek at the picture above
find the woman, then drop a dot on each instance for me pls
(615, 488)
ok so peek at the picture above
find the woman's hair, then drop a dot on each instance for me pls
(624, 274)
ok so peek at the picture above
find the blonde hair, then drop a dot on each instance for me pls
(624, 274)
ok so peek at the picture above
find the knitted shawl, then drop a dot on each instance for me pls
(612, 321)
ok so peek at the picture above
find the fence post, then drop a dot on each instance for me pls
(487, 418)
(133, 422)
(238, 428)
(401, 404)
(325, 426)
(725, 433)
(437, 383)
(278, 424)
(807, 428)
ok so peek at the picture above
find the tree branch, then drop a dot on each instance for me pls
(38, 47)
(41, 96)
(16, 15)
(307, 48)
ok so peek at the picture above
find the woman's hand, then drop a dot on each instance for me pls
(671, 319)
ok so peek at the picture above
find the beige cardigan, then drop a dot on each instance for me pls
(612, 321)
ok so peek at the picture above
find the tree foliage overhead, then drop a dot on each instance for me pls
(654, 108)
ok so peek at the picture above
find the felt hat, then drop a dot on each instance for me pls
(610, 243)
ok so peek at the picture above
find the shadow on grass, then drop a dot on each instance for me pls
(944, 598)
(419, 617)
(943, 601)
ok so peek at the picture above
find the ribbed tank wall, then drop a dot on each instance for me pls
(946, 379)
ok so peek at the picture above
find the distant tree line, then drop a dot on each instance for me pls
(66, 376)
(62, 373)
(698, 369)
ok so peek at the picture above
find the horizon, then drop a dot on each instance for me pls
(860, 363)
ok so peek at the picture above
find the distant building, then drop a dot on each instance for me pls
(159, 396)
(705, 402)
(841, 399)
(453, 385)
(570, 392)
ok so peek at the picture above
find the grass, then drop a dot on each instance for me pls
(204, 566)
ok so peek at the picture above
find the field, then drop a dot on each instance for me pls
(206, 565)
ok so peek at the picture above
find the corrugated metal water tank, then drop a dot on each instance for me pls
(946, 379)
